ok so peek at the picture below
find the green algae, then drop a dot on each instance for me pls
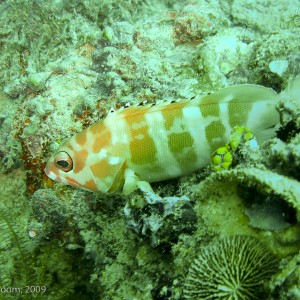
(63, 65)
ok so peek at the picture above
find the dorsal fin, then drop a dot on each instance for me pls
(241, 93)
(235, 94)
(147, 107)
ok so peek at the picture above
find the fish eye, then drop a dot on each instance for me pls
(63, 161)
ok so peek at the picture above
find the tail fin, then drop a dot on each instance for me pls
(292, 92)
(253, 106)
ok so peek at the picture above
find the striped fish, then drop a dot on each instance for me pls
(142, 144)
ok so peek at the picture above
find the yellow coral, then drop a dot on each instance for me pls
(222, 158)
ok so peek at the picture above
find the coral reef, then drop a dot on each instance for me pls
(63, 65)
(233, 268)
(156, 221)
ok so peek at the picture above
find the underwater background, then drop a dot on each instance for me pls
(63, 65)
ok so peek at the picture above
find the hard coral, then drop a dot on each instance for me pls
(234, 268)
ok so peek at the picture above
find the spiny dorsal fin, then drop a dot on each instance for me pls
(144, 107)
(248, 93)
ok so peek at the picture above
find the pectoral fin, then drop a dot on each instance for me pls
(132, 182)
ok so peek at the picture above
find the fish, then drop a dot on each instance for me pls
(138, 145)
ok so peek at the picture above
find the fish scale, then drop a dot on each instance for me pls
(142, 144)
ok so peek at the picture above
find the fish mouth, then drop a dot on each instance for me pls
(46, 171)
(71, 182)
(49, 166)
(52, 175)
(49, 173)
